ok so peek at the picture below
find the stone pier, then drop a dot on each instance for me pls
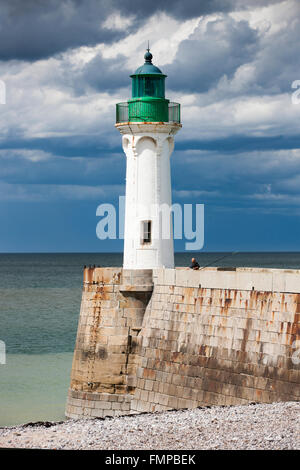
(176, 338)
(103, 377)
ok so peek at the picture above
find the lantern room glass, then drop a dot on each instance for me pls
(148, 86)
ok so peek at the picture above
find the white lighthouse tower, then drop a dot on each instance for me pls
(148, 123)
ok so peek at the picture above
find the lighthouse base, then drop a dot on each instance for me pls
(177, 338)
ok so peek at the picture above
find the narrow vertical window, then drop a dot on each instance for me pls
(146, 232)
(149, 86)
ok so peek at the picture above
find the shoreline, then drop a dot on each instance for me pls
(274, 426)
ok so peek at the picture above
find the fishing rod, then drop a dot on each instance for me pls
(218, 259)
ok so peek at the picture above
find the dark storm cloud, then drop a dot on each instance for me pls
(189, 8)
(40, 28)
(235, 166)
(34, 29)
(204, 58)
(103, 75)
(91, 146)
(254, 178)
(208, 55)
(19, 166)
(237, 144)
(277, 65)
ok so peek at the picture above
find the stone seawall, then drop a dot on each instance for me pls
(208, 337)
(103, 376)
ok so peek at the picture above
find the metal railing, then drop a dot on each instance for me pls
(174, 112)
(122, 111)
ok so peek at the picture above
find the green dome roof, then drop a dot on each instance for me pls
(148, 67)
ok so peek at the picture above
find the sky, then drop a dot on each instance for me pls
(230, 63)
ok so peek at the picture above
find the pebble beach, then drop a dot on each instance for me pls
(273, 426)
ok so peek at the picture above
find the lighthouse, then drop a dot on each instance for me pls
(148, 122)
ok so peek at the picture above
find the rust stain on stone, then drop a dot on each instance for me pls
(273, 313)
(175, 355)
(295, 330)
(102, 294)
(297, 317)
(246, 334)
(227, 303)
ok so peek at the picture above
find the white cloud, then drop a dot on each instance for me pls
(270, 19)
(184, 194)
(58, 192)
(117, 22)
(164, 34)
(26, 154)
(214, 116)
(43, 101)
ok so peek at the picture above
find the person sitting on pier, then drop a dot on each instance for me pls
(194, 264)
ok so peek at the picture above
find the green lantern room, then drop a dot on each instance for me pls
(148, 103)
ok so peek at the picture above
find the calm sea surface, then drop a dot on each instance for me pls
(39, 307)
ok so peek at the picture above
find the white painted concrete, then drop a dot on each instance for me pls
(148, 147)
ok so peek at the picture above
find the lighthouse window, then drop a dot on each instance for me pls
(146, 231)
(149, 87)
